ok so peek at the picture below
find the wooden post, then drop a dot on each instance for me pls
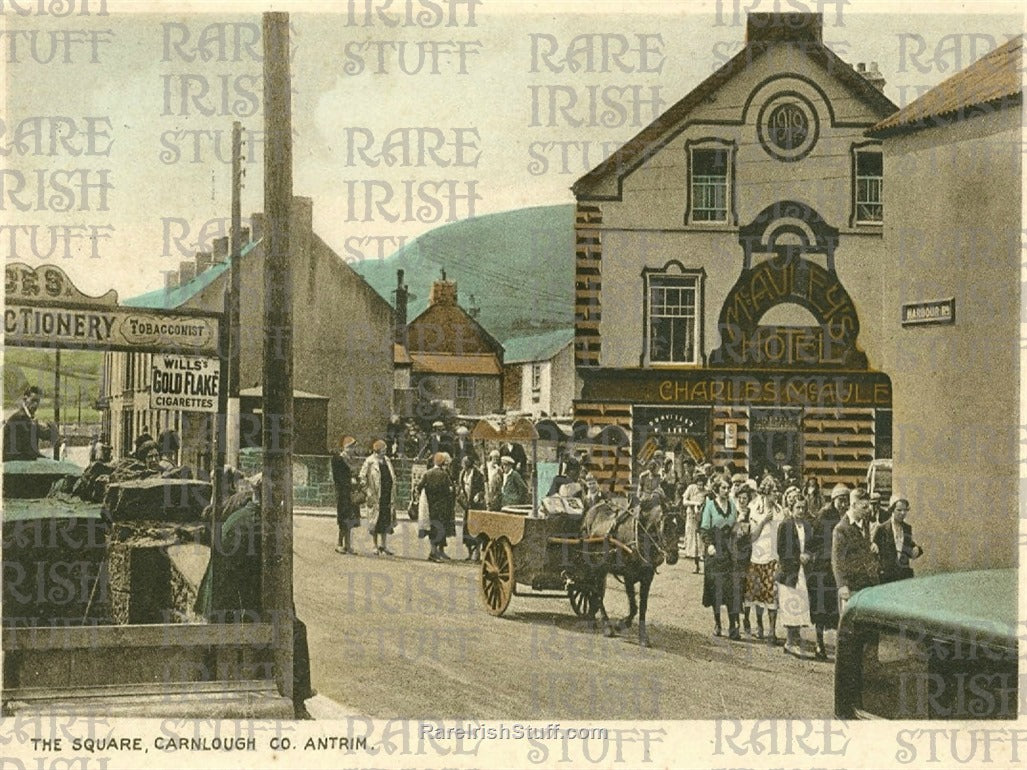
(277, 432)
(232, 315)
(57, 404)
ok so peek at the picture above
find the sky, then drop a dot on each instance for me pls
(117, 116)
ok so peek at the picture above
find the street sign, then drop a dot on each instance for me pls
(184, 383)
(938, 311)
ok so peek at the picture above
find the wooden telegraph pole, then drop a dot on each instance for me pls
(276, 509)
(57, 404)
(235, 271)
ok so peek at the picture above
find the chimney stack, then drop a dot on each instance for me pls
(874, 77)
(204, 259)
(784, 27)
(402, 296)
(221, 249)
(170, 280)
(186, 271)
(443, 292)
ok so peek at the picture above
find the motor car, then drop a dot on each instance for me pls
(937, 647)
(879, 478)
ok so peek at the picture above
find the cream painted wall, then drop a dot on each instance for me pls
(953, 230)
(646, 228)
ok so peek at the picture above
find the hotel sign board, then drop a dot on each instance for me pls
(933, 312)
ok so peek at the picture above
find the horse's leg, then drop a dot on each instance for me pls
(645, 581)
(629, 588)
(598, 590)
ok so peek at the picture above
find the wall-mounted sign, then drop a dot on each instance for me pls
(938, 311)
(731, 435)
(184, 383)
(113, 329)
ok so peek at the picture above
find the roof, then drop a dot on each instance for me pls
(537, 347)
(992, 82)
(258, 392)
(169, 299)
(451, 363)
(442, 319)
(981, 603)
(654, 136)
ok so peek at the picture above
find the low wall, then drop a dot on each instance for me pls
(312, 485)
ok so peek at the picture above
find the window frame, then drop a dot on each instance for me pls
(466, 387)
(731, 211)
(854, 218)
(674, 272)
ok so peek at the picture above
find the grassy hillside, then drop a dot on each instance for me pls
(31, 366)
(517, 267)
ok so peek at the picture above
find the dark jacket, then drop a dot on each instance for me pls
(892, 565)
(342, 474)
(460, 451)
(516, 451)
(789, 552)
(477, 498)
(438, 489)
(21, 436)
(854, 564)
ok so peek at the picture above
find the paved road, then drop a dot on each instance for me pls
(404, 637)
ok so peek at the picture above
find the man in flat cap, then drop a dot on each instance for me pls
(439, 440)
(514, 490)
(462, 448)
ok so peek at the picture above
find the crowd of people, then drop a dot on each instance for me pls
(782, 552)
(457, 479)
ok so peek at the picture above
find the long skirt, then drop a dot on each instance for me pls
(719, 579)
(823, 597)
(693, 545)
(794, 602)
(760, 587)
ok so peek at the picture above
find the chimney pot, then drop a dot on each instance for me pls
(221, 248)
(204, 259)
(170, 279)
(861, 67)
(244, 235)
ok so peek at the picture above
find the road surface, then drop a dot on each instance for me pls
(401, 637)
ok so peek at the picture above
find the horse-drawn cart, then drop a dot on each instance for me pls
(557, 550)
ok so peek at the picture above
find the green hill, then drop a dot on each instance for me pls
(516, 266)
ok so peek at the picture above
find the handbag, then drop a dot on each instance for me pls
(357, 493)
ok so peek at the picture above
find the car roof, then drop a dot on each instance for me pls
(981, 603)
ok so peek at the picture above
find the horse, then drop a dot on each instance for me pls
(635, 542)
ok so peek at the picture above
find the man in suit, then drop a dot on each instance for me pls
(21, 430)
(892, 541)
(438, 441)
(854, 564)
(462, 448)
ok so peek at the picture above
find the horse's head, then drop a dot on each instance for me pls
(667, 528)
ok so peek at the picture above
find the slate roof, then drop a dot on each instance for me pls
(537, 347)
(991, 83)
(169, 299)
(450, 363)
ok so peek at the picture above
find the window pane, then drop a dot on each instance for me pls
(709, 185)
(869, 163)
(709, 162)
(672, 319)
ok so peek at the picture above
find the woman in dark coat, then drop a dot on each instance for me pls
(437, 487)
(823, 591)
(347, 513)
(718, 517)
(471, 494)
(793, 540)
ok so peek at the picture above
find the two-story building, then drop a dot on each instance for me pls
(342, 347)
(728, 266)
(451, 358)
(538, 374)
(952, 309)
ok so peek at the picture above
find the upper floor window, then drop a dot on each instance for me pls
(710, 182)
(536, 376)
(673, 315)
(868, 186)
(465, 387)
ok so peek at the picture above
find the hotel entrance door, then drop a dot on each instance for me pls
(775, 440)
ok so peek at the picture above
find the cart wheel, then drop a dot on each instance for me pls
(582, 603)
(497, 576)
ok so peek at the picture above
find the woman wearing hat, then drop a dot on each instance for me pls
(823, 590)
(379, 481)
(347, 513)
(693, 501)
(437, 487)
(718, 517)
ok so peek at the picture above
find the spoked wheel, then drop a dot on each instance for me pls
(582, 602)
(497, 576)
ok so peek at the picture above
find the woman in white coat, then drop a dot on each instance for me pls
(379, 479)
